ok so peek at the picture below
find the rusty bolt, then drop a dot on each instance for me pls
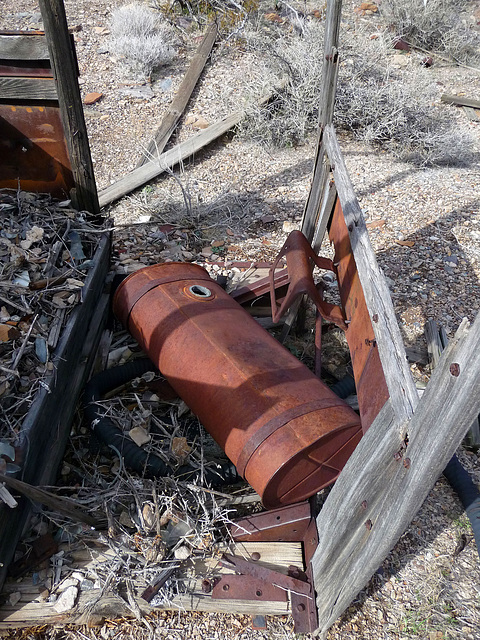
(455, 369)
(350, 227)
(255, 555)
(226, 587)
(369, 524)
(364, 504)
(398, 456)
(300, 607)
(375, 317)
(406, 463)
(259, 593)
(206, 586)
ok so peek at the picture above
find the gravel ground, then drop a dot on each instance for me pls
(425, 228)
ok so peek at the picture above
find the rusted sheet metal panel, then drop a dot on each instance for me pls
(370, 381)
(33, 151)
(284, 430)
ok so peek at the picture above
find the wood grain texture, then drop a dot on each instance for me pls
(28, 89)
(23, 47)
(461, 101)
(387, 479)
(177, 107)
(64, 69)
(312, 217)
(401, 386)
(47, 424)
(93, 605)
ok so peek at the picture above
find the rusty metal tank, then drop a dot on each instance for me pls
(286, 432)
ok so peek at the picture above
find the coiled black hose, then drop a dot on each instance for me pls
(457, 476)
(467, 491)
(134, 456)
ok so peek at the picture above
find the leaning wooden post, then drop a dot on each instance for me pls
(312, 216)
(390, 474)
(65, 73)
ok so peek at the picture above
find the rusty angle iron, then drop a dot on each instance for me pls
(286, 432)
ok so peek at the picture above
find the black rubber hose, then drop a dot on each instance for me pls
(461, 482)
(344, 387)
(457, 476)
(134, 456)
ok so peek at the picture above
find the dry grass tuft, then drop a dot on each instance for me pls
(141, 38)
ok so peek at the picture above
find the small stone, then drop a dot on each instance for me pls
(139, 436)
(182, 553)
(92, 98)
(218, 243)
(14, 598)
(66, 601)
(207, 252)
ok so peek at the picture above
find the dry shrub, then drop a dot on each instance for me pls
(377, 103)
(436, 25)
(142, 39)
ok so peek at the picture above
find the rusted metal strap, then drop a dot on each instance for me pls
(276, 423)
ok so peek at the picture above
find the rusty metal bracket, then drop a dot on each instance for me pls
(301, 260)
(256, 582)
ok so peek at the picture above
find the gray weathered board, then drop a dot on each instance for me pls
(93, 605)
(38, 89)
(47, 425)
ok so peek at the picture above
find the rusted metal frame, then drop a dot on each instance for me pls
(387, 336)
(253, 290)
(301, 260)
(31, 133)
(294, 524)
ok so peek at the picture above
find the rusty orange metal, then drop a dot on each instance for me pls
(372, 391)
(285, 431)
(33, 150)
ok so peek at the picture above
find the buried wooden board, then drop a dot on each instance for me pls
(46, 427)
(93, 605)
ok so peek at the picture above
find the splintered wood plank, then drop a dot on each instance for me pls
(28, 89)
(33, 610)
(389, 475)
(23, 47)
(65, 72)
(401, 386)
(180, 101)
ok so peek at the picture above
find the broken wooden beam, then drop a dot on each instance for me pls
(461, 101)
(65, 71)
(390, 474)
(180, 101)
(152, 169)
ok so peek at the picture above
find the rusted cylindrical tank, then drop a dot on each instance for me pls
(285, 431)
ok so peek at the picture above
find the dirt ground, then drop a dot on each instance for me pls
(425, 229)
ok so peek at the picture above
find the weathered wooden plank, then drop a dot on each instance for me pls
(152, 169)
(177, 107)
(437, 340)
(47, 424)
(64, 69)
(390, 474)
(461, 101)
(23, 47)
(27, 89)
(401, 386)
(93, 604)
(321, 172)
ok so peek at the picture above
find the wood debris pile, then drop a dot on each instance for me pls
(46, 251)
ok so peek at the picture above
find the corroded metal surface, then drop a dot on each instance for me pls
(301, 260)
(33, 151)
(285, 431)
(370, 382)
